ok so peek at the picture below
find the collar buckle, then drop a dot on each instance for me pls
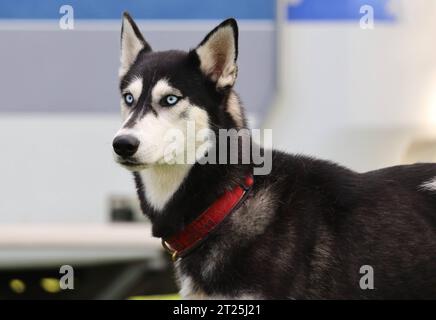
(173, 253)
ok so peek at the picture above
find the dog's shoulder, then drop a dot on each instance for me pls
(309, 179)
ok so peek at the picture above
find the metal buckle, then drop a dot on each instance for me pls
(173, 253)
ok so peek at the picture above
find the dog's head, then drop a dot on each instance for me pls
(168, 90)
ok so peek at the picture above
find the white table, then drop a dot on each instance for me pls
(30, 246)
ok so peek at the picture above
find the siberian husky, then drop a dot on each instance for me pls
(310, 229)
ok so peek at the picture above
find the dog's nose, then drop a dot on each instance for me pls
(125, 145)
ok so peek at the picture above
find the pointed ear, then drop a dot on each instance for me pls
(218, 53)
(132, 42)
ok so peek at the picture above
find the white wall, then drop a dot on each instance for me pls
(58, 168)
(358, 97)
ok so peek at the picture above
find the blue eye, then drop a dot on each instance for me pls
(170, 100)
(128, 98)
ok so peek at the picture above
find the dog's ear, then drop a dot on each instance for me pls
(218, 52)
(132, 42)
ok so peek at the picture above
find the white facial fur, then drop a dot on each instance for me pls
(155, 132)
(135, 88)
(161, 89)
(234, 109)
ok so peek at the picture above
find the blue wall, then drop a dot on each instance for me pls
(337, 10)
(140, 9)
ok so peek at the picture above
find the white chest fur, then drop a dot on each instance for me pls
(162, 181)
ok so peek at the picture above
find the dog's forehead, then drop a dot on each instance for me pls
(154, 66)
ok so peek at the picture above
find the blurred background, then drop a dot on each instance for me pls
(352, 81)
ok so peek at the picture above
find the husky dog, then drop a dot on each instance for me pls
(308, 230)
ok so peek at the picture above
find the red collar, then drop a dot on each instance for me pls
(193, 234)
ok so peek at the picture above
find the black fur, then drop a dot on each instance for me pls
(331, 221)
(325, 223)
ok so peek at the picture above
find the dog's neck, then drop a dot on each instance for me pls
(186, 192)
